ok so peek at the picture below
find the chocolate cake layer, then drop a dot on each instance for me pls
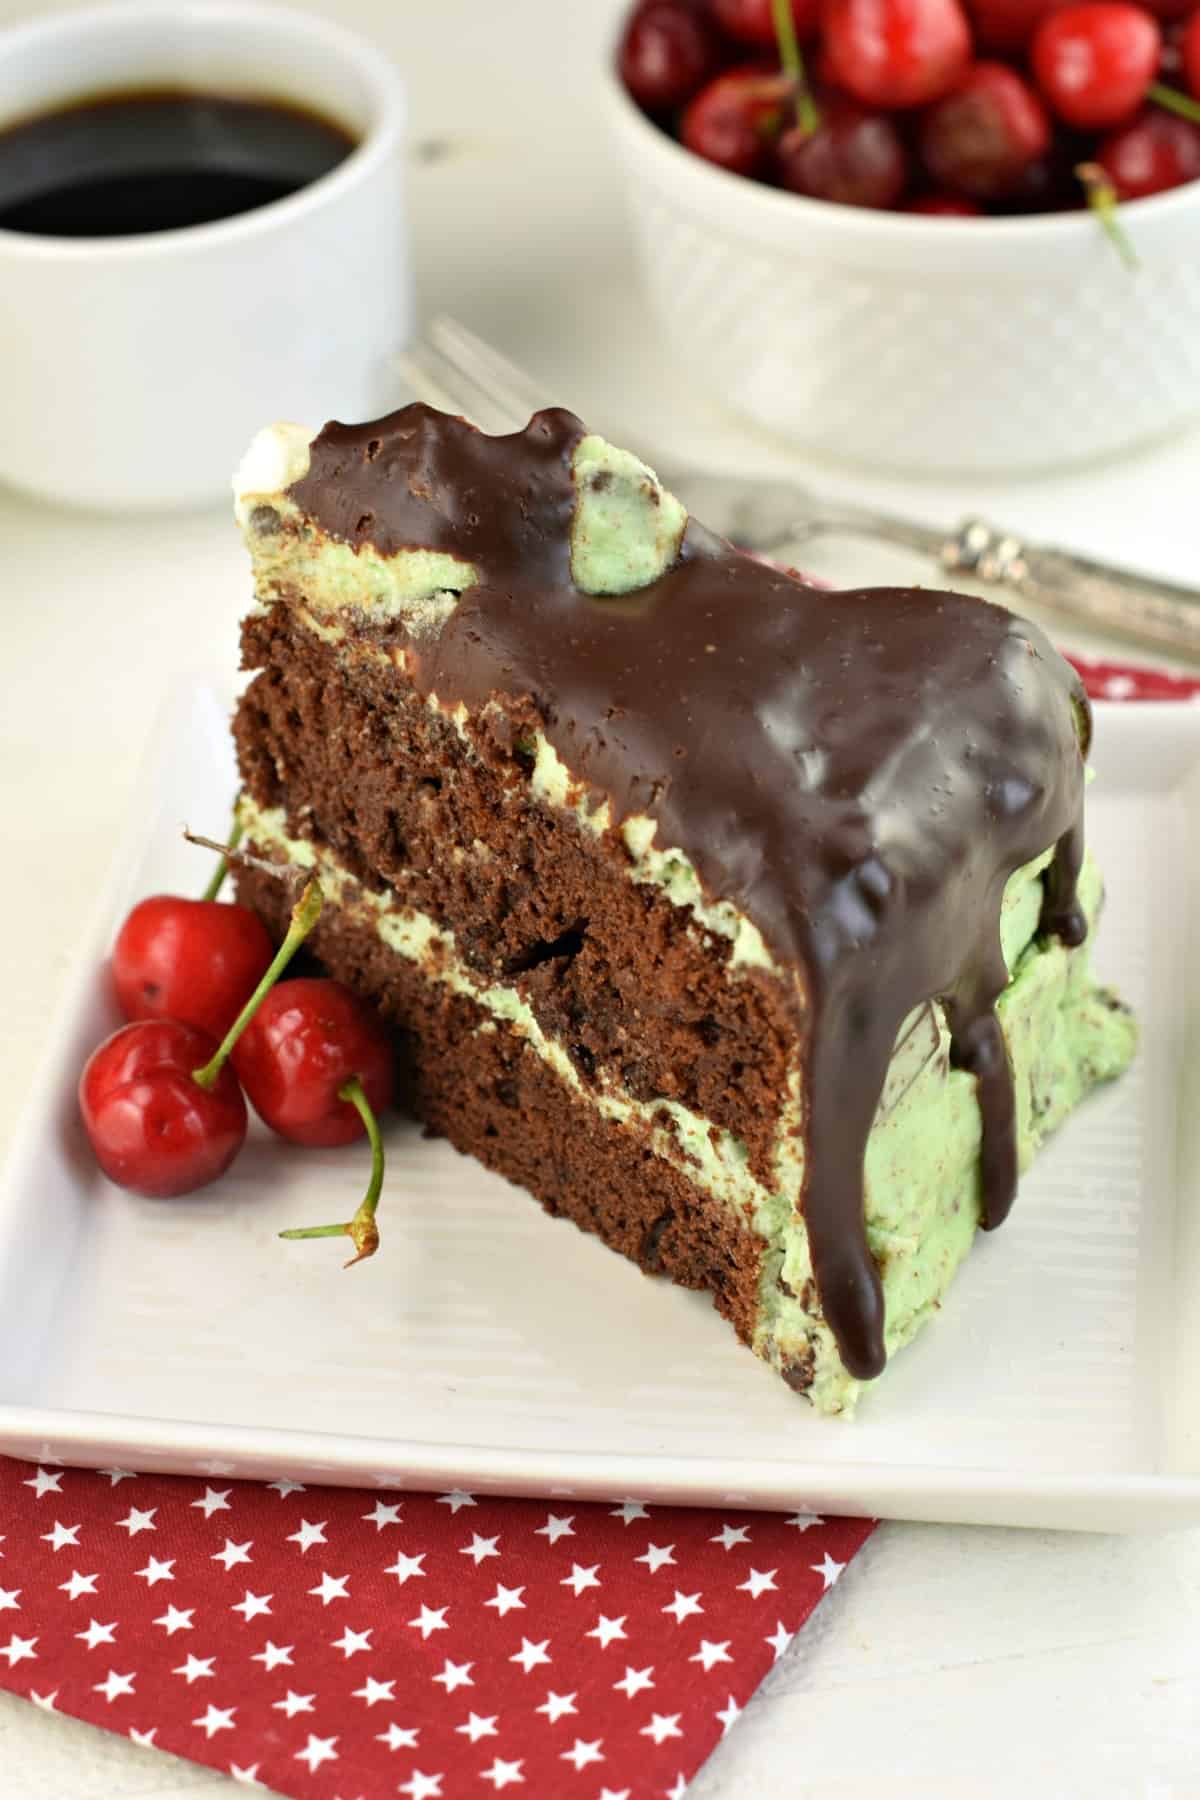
(612, 970)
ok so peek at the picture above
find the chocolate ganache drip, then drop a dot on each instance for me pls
(859, 773)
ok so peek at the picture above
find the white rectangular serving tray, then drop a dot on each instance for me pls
(492, 1348)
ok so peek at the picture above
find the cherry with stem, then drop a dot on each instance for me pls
(305, 914)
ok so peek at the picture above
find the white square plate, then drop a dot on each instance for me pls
(491, 1347)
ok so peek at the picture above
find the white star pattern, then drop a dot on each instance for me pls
(373, 1691)
(405, 1567)
(308, 1535)
(233, 1554)
(420, 1786)
(399, 1737)
(638, 1724)
(45, 1482)
(758, 1582)
(61, 1536)
(251, 1606)
(176, 1619)
(79, 1584)
(135, 1520)
(381, 1515)
(456, 1500)
(677, 1789)
(291, 1704)
(330, 1587)
(114, 1686)
(196, 1668)
(556, 1528)
(582, 1754)
(729, 1535)
(117, 1475)
(215, 1719)
(317, 1751)
(530, 1655)
(730, 1713)
(214, 1501)
(581, 1579)
(606, 1631)
(506, 1600)
(656, 1556)
(144, 1738)
(503, 1774)
(156, 1571)
(828, 1570)
(429, 1620)
(475, 1727)
(480, 1548)
(455, 1675)
(557, 1706)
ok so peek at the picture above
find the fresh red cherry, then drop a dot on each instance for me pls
(1094, 62)
(896, 53)
(1155, 152)
(668, 50)
(309, 1038)
(753, 21)
(943, 206)
(854, 157)
(980, 137)
(195, 960)
(736, 120)
(153, 1127)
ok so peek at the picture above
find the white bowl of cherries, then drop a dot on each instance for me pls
(929, 235)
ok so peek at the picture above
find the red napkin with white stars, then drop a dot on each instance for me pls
(335, 1644)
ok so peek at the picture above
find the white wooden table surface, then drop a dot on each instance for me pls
(949, 1661)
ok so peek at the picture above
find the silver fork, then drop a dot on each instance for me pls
(454, 369)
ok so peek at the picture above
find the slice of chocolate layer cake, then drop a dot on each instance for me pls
(741, 923)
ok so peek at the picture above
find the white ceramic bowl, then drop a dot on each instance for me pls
(927, 345)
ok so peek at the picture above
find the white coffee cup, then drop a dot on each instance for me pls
(134, 370)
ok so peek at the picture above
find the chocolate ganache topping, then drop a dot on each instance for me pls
(859, 773)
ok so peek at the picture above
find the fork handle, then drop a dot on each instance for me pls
(1093, 594)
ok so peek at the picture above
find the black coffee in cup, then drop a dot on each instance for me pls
(122, 164)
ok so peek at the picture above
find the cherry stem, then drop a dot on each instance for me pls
(305, 914)
(792, 63)
(222, 869)
(1174, 101)
(361, 1229)
(1102, 198)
